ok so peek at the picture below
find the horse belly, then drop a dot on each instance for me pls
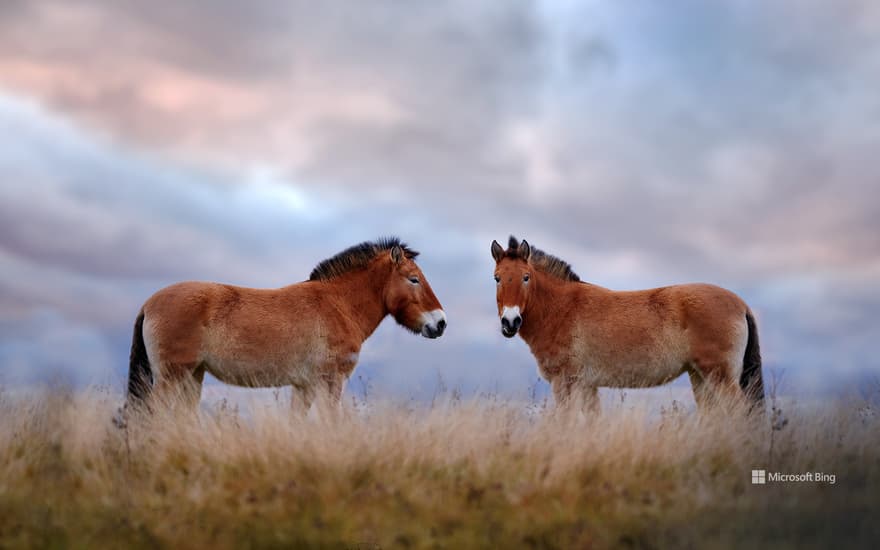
(635, 368)
(283, 363)
(266, 374)
(633, 375)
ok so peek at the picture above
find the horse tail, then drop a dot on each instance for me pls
(140, 376)
(752, 380)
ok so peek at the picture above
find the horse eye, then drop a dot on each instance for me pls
(497, 279)
(526, 278)
(414, 280)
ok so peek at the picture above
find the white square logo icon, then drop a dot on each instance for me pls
(759, 477)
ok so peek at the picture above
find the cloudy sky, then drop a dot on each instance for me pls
(647, 143)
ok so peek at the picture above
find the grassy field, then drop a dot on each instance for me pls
(485, 473)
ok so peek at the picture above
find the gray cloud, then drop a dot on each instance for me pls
(645, 144)
(92, 229)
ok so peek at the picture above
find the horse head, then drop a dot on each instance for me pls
(409, 298)
(513, 283)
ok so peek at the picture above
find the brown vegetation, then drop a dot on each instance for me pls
(457, 474)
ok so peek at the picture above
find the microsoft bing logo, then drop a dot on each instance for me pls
(759, 477)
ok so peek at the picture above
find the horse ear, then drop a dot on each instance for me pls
(524, 250)
(396, 254)
(497, 251)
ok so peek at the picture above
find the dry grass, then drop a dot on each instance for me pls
(456, 474)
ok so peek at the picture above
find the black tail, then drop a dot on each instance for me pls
(752, 380)
(140, 377)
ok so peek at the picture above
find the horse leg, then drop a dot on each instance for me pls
(334, 389)
(301, 398)
(698, 385)
(193, 388)
(328, 392)
(561, 386)
(179, 385)
(717, 351)
(714, 385)
(569, 394)
(590, 400)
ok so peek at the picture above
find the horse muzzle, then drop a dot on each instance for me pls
(511, 320)
(433, 323)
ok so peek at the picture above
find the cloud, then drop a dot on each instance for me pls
(645, 144)
(99, 209)
(260, 81)
(43, 347)
(91, 229)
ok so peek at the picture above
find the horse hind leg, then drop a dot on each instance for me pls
(715, 385)
(193, 388)
(716, 364)
(180, 385)
(700, 388)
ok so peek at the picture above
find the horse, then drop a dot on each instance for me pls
(307, 335)
(584, 336)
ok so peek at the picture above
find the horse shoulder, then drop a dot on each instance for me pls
(554, 345)
(322, 301)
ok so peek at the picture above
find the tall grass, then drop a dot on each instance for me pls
(481, 473)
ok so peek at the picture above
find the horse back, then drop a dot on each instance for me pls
(681, 306)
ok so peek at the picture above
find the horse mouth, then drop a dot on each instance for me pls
(428, 333)
(433, 324)
(432, 332)
(508, 332)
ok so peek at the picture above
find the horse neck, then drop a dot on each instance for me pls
(362, 295)
(542, 316)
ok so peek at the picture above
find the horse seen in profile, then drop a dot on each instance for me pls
(307, 335)
(584, 336)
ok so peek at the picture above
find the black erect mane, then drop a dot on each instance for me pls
(357, 257)
(542, 261)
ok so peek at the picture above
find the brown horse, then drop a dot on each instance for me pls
(584, 336)
(307, 335)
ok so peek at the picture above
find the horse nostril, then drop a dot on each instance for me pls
(441, 325)
(505, 323)
(517, 322)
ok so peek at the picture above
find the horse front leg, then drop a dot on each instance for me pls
(570, 393)
(335, 387)
(561, 387)
(589, 400)
(334, 383)
(329, 392)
